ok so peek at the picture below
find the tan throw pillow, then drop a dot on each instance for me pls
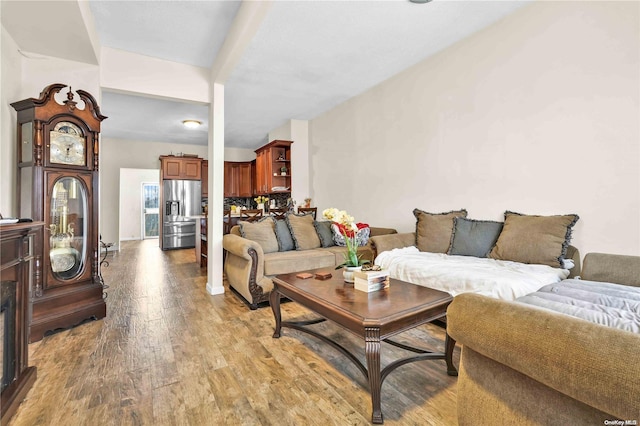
(534, 239)
(433, 230)
(261, 232)
(303, 232)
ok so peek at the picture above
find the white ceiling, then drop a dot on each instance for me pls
(306, 57)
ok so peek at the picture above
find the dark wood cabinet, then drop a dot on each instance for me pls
(20, 274)
(205, 178)
(273, 168)
(186, 168)
(203, 242)
(237, 179)
(58, 162)
(245, 188)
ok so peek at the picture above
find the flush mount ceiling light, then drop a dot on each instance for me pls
(191, 124)
(420, 1)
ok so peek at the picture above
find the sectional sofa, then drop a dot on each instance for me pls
(526, 365)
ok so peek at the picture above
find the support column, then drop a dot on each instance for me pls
(215, 154)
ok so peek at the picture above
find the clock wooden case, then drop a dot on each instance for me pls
(58, 159)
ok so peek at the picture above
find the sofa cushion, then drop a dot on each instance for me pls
(262, 232)
(473, 237)
(303, 232)
(433, 230)
(283, 235)
(534, 239)
(296, 261)
(323, 228)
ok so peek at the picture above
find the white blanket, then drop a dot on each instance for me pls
(499, 279)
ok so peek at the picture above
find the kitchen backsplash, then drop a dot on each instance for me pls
(281, 201)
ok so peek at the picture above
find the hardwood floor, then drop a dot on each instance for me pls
(168, 353)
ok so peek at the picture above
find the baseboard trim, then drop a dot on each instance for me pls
(214, 290)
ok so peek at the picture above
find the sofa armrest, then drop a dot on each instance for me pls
(244, 269)
(375, 231)
(240, 246)
(591, 363)
(387, 242)
(613, 268)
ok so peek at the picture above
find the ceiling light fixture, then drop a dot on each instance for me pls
(420, 1)
(191, 124)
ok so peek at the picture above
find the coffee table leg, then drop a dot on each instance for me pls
(449, 346)
(372, 351)
(274, 301)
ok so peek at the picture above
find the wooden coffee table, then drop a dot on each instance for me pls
(375, 317)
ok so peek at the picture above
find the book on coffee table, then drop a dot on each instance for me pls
(371, 284)
(370, 275)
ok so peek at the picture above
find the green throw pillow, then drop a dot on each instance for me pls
(283, 235)
(324, 233)
(473, 237)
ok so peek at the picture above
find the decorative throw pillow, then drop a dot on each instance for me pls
(473, 237)
(534, 239)
(283, 235)
(325, 234)
(262, 232)
(433, 230)
(362, 237)
(303, 232)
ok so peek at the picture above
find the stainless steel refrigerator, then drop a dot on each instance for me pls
(181, 199)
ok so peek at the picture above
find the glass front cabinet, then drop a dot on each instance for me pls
(58, 162)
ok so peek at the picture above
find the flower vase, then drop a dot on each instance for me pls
(348, 271)
(261, 207)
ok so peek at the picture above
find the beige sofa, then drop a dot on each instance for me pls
(527, 366)
(382, 243)
(249, 270)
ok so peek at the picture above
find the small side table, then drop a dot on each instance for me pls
(104, 262)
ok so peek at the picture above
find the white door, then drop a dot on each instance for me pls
(150, 211)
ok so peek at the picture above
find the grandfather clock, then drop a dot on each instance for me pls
(58, 184)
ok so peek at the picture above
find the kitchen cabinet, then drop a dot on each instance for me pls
(273, 168)
(237, 179)
(187, 168)
(205, 178)
(201, 254)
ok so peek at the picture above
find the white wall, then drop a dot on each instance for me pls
(10, 82)
(131, 181)
(300, 188)
(239, 154)
(536, 114)
(282, 133)
(25, 78)
(117, 154)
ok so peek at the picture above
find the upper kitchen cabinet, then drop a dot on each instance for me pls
(186, 168)
(273, 168)
(237, 179)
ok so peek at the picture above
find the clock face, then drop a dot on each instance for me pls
(67, 145)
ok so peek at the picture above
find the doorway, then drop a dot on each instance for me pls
(150, 210)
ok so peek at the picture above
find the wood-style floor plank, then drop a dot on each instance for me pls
(168, 353)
